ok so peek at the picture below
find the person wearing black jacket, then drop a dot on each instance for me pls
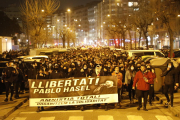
(169, 81)
(8, 79)
(19, 77)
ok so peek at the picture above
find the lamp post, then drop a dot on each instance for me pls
(6, 43)
(68, 16)
(57, 31)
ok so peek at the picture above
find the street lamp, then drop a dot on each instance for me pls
(42, 10)
(6, 43)
(69, 10)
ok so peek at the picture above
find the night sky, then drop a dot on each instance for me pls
(64, 3)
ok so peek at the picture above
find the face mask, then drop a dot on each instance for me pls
(148, 68)
(82, 70)
(132, 68)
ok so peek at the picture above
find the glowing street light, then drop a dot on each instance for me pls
(178, 15)
(69, 10)
(42, 10)
(108, 15)
(57, 20)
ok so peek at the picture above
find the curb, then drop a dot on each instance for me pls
(13, 109)
(175, 111)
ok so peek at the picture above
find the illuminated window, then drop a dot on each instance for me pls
(117, 4)
(130, 4)
(136, 9)
(135, 3)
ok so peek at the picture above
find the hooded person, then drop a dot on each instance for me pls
(170, 82)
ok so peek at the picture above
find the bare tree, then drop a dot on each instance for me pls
(143, 17)
(35, 12)
(166, 12)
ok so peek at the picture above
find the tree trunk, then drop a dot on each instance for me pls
(124, 41)
(135, 40)
(139, 38)
(147, 46)
(64, 39)
(68, 43)
(130, 39)
(121, 42)
(171, 41)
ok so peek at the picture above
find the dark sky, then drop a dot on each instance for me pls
(64, 3)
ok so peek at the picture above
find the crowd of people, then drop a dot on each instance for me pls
(132, 74)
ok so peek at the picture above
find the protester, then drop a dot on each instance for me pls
(8, 79)
(86, 63)
(129, 78)
(142, 78)
(119, 84)
(171, 82)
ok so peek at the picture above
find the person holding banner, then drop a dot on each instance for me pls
(119, 83)
(142, 79)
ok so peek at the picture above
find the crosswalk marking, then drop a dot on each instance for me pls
(133, 117)
(47, 118)
(105, 117)
(76, 118)
(44, 112)
(20, 118)
(160, 117)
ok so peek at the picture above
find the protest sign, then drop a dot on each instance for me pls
(73, 91)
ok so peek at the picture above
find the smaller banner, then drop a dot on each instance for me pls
(75, 91)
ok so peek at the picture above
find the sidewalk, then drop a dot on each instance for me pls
(6, 108)
(176, 107)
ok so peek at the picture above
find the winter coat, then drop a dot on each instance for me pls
(170, 77)
(119, 78)
(141, 84)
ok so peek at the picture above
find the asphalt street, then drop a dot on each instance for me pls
(155, 112)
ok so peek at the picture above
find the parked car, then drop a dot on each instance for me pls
(31, 58)
(145, 53)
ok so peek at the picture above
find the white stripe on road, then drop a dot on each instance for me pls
(20, 118)
(76, 118)
(47, 118)
(133, 117)
(105, 117)
(68, 111)
(161, 117)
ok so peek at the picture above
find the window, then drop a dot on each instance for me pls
(117, 4)
(148, 53)
(136, 9)
(159, 54)
(137, 54)
(130, 4)
(135, 3)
